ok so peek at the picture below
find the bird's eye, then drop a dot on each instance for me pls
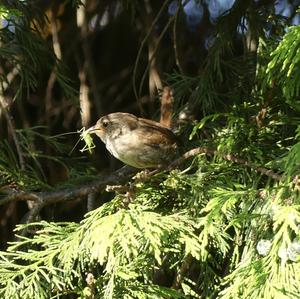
(105, 124)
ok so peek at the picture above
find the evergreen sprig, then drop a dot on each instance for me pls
(283, 68)
(127, 245)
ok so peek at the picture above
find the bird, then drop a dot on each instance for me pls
(138, 142)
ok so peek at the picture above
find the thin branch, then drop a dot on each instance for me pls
(166, 107)
(90, 280)
(9, 78)
(54, 31)
(88, 66)
(268, 172)
(228, 157)
(119, 188)
(140, 53)
(175, 44)
(185, 266)
(153, 53)
(120, 176)
(155, 82)
(11, 127)
(52, 78)
(171, 19)
(17, 195)
(43, 199)
(91, 202)
(85, 105)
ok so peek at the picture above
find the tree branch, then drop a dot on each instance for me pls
(10, 124)
(139, 54)
(50, 197)
(120, 176)
(228, 157)
(185, 266)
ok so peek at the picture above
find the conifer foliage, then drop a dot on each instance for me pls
(222, 221)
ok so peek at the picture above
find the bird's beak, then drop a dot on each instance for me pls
(92, 129)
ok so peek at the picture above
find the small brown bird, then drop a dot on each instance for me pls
(138, 142)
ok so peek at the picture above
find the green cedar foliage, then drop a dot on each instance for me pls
(214, 227)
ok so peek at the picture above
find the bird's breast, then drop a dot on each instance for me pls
(136, 148)
(125, 148)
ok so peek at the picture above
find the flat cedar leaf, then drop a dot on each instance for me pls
(188, 291)
(127, 275)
